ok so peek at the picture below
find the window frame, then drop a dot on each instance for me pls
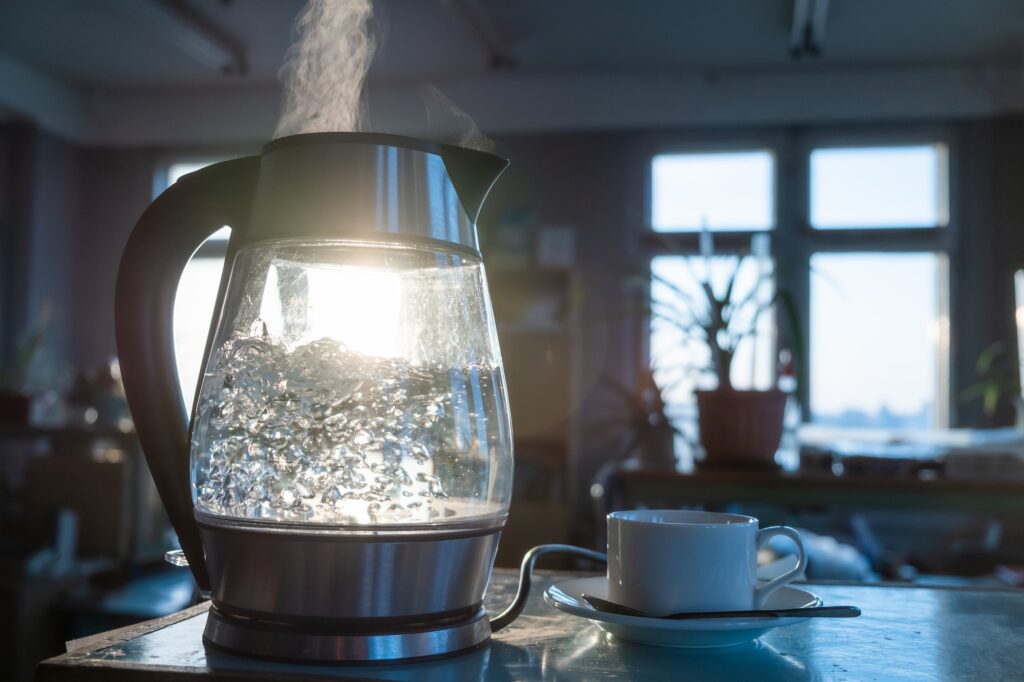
(794, 240)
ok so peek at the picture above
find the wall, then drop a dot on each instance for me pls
(584, 182)
(41, 224)
(16, 182)
(987, 251)
(117, 187)
(595, 183)
(64, 242)
(53, 254)
(66, 212)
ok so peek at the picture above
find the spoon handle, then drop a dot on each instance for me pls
(811, 612)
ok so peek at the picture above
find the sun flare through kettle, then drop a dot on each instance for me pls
(343, 480)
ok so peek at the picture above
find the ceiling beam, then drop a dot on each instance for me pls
(191, 32)
(807, 31)
(818, 18)
(506, 103)
(485, 31)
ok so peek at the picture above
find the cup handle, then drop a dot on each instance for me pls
(761, 593)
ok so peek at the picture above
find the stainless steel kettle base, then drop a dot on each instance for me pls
(250, 637)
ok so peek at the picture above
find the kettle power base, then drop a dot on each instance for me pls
(269, 640)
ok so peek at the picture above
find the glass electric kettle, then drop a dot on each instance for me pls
(342, 483)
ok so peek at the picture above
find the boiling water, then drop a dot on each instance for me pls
(320, 433)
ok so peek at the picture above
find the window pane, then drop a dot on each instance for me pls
(720, 191)
(680, 361)
(176, 170)
(878, 187)
(195, 299)
(878, 340)
(193, 311)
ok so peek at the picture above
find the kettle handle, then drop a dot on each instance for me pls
(159, 247)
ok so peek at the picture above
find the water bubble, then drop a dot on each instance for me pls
(321, 432)
(332, 496)
(362, 438)
(351, 479)
(418, 452)
(289, 498)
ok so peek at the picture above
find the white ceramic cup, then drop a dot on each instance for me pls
(670, 561)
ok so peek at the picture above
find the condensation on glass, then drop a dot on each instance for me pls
(353, 384)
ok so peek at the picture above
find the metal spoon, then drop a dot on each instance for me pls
(599, 604)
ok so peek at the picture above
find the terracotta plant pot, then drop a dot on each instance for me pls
(14, 408)
(741, 428)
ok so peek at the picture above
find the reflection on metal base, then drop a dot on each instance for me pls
(270, 640)
(342, 577)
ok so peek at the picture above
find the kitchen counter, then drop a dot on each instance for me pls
(905, 633)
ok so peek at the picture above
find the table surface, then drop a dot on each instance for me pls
(905, 633)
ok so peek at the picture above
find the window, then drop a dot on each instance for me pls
(730, 194)
(722, 191)
(878, 318)
(879, 187)
(196, 296)
(868, 275)
(878, 335)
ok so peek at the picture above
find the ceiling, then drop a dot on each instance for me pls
(98, 59)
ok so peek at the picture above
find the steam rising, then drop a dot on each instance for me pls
(325, 69)
(442, 113)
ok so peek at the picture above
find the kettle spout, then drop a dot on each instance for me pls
(473, 173)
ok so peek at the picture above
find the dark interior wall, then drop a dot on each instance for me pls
(52, 247)
(581, 182)
(586, 182)
(596, 184)
(117, 187)
(41, 221)
(66, 212)
(978, 263)
(1008, 182)
(988, 249)
(15, 218)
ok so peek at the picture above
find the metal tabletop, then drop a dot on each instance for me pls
(905, 633)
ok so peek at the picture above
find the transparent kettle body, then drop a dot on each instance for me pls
(353, 383)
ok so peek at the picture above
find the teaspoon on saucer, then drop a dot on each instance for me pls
(811, 612)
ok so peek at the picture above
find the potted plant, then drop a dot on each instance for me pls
(650, 433)
(998, 383)
(15, 400)
(736, 427)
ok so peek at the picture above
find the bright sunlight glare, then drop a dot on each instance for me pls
(359, 306)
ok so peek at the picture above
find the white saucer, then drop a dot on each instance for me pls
(568, 597)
